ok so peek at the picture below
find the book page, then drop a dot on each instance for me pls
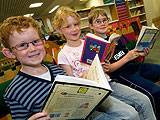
(97, 74)
(96, 37)
(71, 101)
(114, 37)
(81, 81)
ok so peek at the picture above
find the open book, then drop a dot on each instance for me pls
(96, 45)
(76, 98)
(147, 37)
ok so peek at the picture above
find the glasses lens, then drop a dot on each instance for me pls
(22, 46)
(37, 42)
(100, 21)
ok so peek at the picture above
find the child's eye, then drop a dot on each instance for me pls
(36, 41)
(22, 45)
(67, 26)
(98, 21)
(76, 24)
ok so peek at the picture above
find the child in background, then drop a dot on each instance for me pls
(143, 75)
(124, 102)
(25, 96)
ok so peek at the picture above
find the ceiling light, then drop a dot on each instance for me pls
(28, 15)
(35, 5)
(83, 0)
(54, 8)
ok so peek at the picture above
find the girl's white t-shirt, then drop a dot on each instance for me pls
(72, 56)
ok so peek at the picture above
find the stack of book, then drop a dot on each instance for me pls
(121, 9)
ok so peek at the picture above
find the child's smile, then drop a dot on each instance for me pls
(28, 47)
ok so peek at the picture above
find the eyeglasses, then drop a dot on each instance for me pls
(100, 21)
(24, 46)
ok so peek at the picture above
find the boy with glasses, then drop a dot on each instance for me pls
(140, 75)
(22, 39)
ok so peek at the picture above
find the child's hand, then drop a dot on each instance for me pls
(83, 74)
(132, 54)
(106, 67)
(40, 116)
(145, 52)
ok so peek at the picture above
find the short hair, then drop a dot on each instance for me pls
(94, 13)
(61, 16)
(16, 23)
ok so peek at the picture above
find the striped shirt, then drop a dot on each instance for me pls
(26, 94)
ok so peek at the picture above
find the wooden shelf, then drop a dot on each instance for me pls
(85, 18)
(108, 4)
(139, 15)
(113, 21)
(138, 6)
(104, 5)
(143, 21)
(84, 27)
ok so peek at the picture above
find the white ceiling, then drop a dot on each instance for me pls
(21, 7)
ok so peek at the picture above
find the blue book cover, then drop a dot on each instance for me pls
(94, 45)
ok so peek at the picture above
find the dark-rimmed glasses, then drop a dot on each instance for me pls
(25, 45)
(100, 21)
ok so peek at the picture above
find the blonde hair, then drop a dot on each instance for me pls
(94, 13)
(61, 15)
(16, 23)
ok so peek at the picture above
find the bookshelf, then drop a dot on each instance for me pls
(108, 5)
(137, 8)
(117, 10)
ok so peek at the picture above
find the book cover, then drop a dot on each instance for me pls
(147, 37)
(94, 45)
(75, 98)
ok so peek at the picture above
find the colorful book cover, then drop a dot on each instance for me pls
(95, 45)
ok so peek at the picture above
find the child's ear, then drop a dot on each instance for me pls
(91, 26)
(8, 53)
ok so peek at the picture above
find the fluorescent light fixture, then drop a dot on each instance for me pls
(54, 8)
(28, 15)
(83, 0)
(35, 5)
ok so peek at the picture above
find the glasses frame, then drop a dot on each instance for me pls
(25, 45)
(100, 21)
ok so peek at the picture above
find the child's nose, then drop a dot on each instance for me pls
(75, 28)
(31, 46)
